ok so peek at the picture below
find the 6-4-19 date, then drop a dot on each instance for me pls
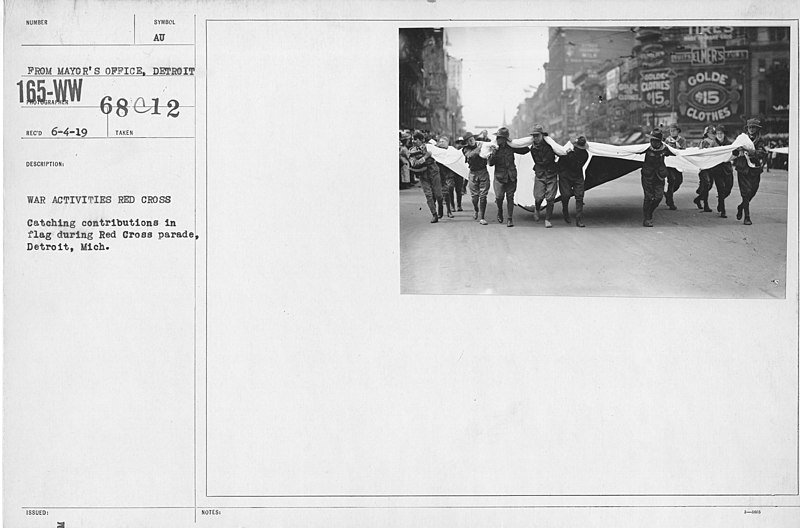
(67, 131)
(122, 107)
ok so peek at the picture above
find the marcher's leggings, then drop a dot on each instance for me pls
(479, 189)
(653, 188)
(432, 188)
(749, 180)
(706, 181)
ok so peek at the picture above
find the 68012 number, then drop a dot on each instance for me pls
(122, 106)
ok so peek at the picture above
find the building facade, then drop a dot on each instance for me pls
(430, 82)
(653, 76)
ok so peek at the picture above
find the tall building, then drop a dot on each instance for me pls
(430, 82)
(455, 122)
(573, 50)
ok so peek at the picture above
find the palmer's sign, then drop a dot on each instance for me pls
(710, 95)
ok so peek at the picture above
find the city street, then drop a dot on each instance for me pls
(688, 253)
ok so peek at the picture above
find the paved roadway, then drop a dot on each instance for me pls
(687, 254)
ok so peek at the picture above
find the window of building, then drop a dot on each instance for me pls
(762, 107)
(777, 34)
(762, 87)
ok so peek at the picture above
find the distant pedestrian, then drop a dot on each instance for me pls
(478, 177)
(722, 174)
(545, 183)
(654, 172)
(405, 175)
(423, 164)
(571, 180)
(674, 176)
(749, 165)
(706, 178)
(505, 174)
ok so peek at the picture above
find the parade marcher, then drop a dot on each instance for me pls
(674, 176)
(460, 183)
(654, 172)
(722, 174)
(706, 178)
(448, 179)
(571, 181)
(749, 164)
(423, 164)
(505, 173)
(478, 176)
(546, 181)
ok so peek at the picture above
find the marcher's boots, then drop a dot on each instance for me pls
(565, 210)
(510, 206)
(439, 207)
(739, 211)
(579, 213)
(721, 208)
(706, 208)
(434, 219)
(432, 206)
(653, 207)
(483, 211)
(548, 214)
(697, 202)
(536, 208)
(670, 202)
(499, 211)
(475, 207)
(747, 214)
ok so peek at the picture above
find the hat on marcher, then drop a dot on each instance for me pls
(419, 136)
(675, 125)
(656, 134)
(709, 130)
(460, 138)
(502, 132)
(537, 129)
(754, 122)
(721, 128)
(581, 142)
(467, 136)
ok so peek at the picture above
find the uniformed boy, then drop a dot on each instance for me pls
(571, 180)
(422, 162)
(505, 174)
(478, 177)
(545, 183)
(674, 176)
(749, 164)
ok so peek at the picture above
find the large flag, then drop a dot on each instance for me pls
(450, 157)
(606, 162)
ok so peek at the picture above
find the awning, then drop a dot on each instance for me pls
(633, 138)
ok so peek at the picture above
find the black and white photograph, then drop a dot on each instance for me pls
(576, 305)
(638, 161)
